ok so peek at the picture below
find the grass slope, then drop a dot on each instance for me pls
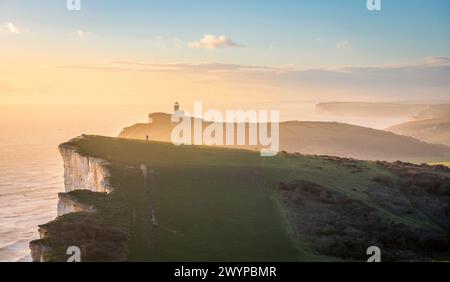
(216, 204)
(210, 204)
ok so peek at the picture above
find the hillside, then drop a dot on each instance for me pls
(434, 112)
(193, 203)
(435, 131)
(321, 138)
(431, 125)
(374, 110)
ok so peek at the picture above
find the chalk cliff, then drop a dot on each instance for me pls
(87, 183)
(69, 204)
(84, 172)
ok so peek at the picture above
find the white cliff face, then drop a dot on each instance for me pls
(39, 251)
(83, 172)
(67, 204)
(80, 173)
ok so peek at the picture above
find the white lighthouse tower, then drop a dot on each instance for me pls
(177, 112)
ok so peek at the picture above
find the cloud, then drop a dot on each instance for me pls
(344, 45)
(437, 61)
(428, 77)
(197, 68)
(83, 35)
(9, 27)
(426, 64)
(210, 41)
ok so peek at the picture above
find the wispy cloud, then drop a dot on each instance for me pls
(429, 76)
(424, 64)
(198, 68)
(9, 27)
(210, 41)
(83, 35)
(344, 45)
(437, 60)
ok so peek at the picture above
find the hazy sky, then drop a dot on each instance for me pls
(223, 51)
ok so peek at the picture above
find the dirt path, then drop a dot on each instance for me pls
(145, 173)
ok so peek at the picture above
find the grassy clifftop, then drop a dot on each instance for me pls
(216, 204)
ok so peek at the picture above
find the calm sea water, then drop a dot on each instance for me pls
(30, 178)
(31, 169)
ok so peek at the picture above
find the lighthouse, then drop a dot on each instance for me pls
(177, 112)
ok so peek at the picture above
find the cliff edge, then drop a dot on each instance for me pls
(81, 220)
(132, 200)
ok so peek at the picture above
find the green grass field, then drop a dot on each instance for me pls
(214, 204)
(210, 204)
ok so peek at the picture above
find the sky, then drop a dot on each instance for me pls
(223, 51)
